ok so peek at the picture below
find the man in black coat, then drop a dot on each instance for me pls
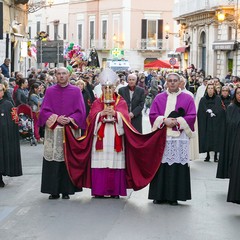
(135, 98)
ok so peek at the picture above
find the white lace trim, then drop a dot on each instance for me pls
(53, 143)
(176, 150)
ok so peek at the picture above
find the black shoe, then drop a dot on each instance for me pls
(173, 203)
(207, 159)
(52, 196)
(158, 201)
(98, 196)
(65, 196)
(2, 184)
(115, 197)
(215, 160)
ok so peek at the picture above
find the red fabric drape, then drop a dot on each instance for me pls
(143, 153)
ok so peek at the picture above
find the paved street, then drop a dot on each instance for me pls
(27, 214)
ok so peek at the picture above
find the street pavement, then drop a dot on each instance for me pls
(27, 214)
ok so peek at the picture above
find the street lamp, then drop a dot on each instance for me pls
(115, 40)
(167, 31)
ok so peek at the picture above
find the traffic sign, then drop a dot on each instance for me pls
(172, 61)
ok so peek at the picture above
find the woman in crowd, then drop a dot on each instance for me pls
(226, 97)
(35, 101)
(7, 93)
(86, 96)
(211, 123)
(10, 155)
(22, 92)
(232, 149)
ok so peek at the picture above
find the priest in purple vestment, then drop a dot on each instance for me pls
(63, 105)
(175, 111)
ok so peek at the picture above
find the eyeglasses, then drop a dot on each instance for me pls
(172, 80)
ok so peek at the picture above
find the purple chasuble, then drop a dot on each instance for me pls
(184, 101)
(66, 101)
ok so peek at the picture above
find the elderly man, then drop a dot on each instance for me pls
(176, 111)
(63, 104)
(135, 98)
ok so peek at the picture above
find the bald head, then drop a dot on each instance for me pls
(132, 80)
(183, 82)
(132, 76)
(62, 75)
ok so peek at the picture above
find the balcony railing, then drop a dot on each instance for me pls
(143, 44)
(101, 44)
(150, 44)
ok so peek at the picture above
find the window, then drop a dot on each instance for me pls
(152, 33)
(91, 32)
(55, 32)
(64, 31)
(38, 26)
(30, 32)
(48, 30)
(104, 29)
(79, 32)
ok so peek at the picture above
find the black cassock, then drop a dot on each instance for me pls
(223, 164)
(232, 150)
(210, 128)
(10, 156)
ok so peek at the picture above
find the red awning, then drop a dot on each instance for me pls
(182, 49)
(160, 64)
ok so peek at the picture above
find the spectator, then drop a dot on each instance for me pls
(5, 67)
(135, 98)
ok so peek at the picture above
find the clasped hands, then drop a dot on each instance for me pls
(63, 120)
(170, 122)
(108, 111)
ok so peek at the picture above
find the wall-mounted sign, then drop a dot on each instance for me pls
(117, 53)
(224, 45)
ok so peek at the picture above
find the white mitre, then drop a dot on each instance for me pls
(108, 77)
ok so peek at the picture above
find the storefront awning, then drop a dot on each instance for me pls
(182, 49)
(224, 45)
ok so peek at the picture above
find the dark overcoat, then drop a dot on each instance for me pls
(135, 105)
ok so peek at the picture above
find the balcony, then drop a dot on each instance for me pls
(150, 44)
(184, 7)
(102, 44)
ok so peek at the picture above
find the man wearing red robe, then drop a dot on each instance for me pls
(112, 156)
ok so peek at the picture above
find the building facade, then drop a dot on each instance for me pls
(13, 36)
(212, 42)
(135, 27)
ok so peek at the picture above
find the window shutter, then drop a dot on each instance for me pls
(144, 28)
(160, 29)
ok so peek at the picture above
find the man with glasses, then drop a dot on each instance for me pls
(176, 111)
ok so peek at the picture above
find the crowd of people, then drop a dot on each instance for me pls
(91, 125)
